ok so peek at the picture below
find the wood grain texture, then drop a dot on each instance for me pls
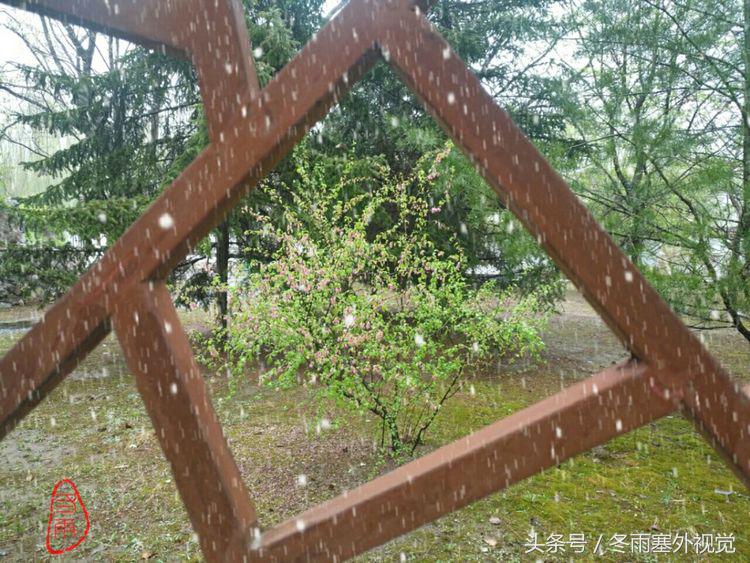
(158, 354)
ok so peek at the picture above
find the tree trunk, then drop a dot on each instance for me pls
(744, 224)
(222, 269)
(744, 220)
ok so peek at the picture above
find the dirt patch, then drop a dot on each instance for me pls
(28, 449)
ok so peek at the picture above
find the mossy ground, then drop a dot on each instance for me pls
(93, 428)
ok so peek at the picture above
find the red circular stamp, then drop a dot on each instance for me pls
(68, 519)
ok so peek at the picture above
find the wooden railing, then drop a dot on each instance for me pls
(250, 130)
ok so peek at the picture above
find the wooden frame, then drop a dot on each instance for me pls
(250, 130)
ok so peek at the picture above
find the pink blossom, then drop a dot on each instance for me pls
(434, 210)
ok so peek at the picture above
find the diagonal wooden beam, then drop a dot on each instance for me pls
(543, 435)
(172, 387)
(571, 236)
(260, 135)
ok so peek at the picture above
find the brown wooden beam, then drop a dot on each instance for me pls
(170, 382)
(153, 23)
(571, 236)
(212, 34)
(543, 435)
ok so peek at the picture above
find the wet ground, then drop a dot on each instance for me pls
(662, 479)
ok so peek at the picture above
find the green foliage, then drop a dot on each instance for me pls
(130, 124)
(658, 95)
(381, 320)
(500, 40)
(119, 130)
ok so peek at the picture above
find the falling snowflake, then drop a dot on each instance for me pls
(166, 221)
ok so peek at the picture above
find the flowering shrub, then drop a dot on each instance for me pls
(381, 322)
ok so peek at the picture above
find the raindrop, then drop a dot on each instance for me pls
(258, 52)
(472, 391)
(302, 480)
(168, 327)
(628, 276)
(394, 121)
(300, 525)
(173, 389)
(618, 425)
(464, 230)
(451, 98)
(447, 53)
(419, 339)
(102, 217)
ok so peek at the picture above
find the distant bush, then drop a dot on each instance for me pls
(383, 322)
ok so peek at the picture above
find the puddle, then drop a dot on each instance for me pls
(16, 326)
(116, 368)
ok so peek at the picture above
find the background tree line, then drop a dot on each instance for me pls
(643, 105)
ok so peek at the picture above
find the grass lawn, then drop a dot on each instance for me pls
(662, 478)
